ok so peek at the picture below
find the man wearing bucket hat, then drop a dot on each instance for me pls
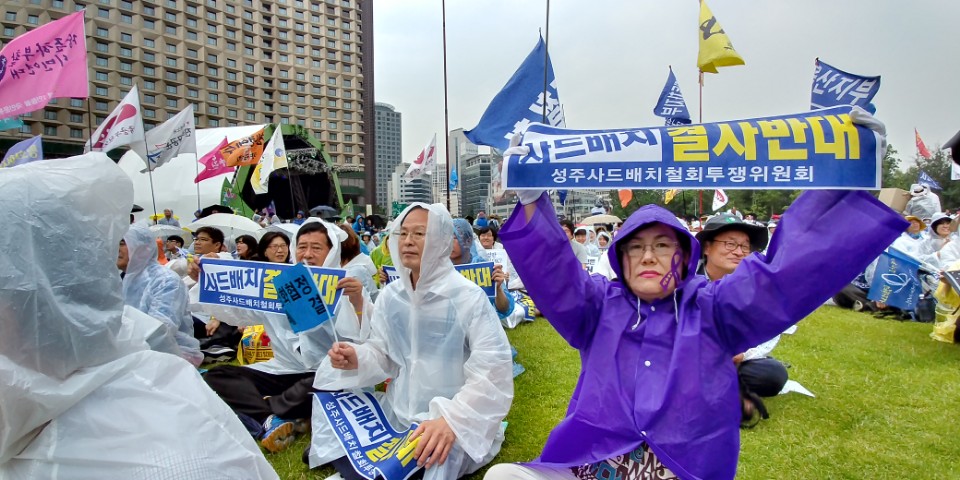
(726, 241)
(923, 203)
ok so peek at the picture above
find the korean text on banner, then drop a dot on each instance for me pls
(810, 150)
(26, 151)
(371, 443)
(253, 285)
(832, 86)
(47, 62)
(520, 102)
(213, 163)
(301, 297)
(479, 273)
(244, 151)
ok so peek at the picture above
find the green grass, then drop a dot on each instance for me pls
(887, 405)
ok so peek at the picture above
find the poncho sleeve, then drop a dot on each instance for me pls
(824, 241)
(555, 279)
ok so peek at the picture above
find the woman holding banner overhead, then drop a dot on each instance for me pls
(657, 391)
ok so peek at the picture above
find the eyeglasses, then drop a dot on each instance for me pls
(660, 249)
(278, 246)
(415, 235)
(729, 246)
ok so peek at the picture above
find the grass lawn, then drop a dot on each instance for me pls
(887, 405)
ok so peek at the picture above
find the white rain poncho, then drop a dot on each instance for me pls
(293, 352)
(923, 205)
(444, 349)
(79, 400)
(158, 291)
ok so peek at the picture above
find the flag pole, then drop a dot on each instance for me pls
(546, 58)
(446, 110)
(146, 151)
(700, 105)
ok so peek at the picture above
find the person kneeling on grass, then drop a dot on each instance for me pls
(658, 393)
(436, 335)
(727, 241)
(270, 396)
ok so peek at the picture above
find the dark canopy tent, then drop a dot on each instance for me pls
(309, 180)
(953, 144)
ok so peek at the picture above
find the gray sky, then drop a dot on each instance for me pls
(611, 57)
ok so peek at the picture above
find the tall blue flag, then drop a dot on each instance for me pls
(26, 151)
(895, 281)
(832, 86)
(453, 178)
(671, 105)
(926, 179)
(520, 103)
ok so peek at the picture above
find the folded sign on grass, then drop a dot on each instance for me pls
(817, 149)
(895, 281)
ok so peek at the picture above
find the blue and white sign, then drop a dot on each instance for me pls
(811, 150)
(252, 285)
(301, 299)
(671, 105)
(925, 179)
(372, 445)
(832, 86)
(520, 103)
(480, 273)
(895, 281)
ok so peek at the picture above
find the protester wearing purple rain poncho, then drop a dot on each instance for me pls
(660, 372)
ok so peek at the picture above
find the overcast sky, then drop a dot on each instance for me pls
(611, 59)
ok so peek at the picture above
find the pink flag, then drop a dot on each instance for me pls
(213, 163)
(45, 63)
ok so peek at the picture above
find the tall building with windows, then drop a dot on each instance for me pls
(239, 62)
(389, 149)
(475, 187)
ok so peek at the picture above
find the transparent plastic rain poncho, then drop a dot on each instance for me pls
(923, 205)
(292, 352)
(83, 397)
(158, 291)
(444, 349)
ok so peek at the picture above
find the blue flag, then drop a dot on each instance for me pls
(925, 179)
(520, 103)
(895, 281)
(562, 195)
(832, 86)
(671, 105)
(24, 152)
(12, 122)
(453, 178)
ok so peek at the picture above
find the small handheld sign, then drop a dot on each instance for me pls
(301, 299)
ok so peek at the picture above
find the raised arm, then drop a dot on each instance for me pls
(553, 276)
(825, 239)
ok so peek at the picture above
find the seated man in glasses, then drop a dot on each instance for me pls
(726, 241)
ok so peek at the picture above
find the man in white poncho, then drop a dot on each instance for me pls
(276, 393)
(79, 400)
(437, 336)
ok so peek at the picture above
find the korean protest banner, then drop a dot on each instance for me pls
(252, 285)
(47, 62)
(24, 152)
(171, 138)
(895, 281)
(12, 122)
(832, 86)
(301, 299)
(480, 273)
(372, 445)
(244, 151)
(391, 272)
(810, 150)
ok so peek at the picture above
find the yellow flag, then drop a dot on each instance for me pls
(715, 47)
(668, 196)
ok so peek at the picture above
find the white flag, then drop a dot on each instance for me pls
(123, 127)
(169, 139)
(719, 199)
(274, 157)
(424, 162)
